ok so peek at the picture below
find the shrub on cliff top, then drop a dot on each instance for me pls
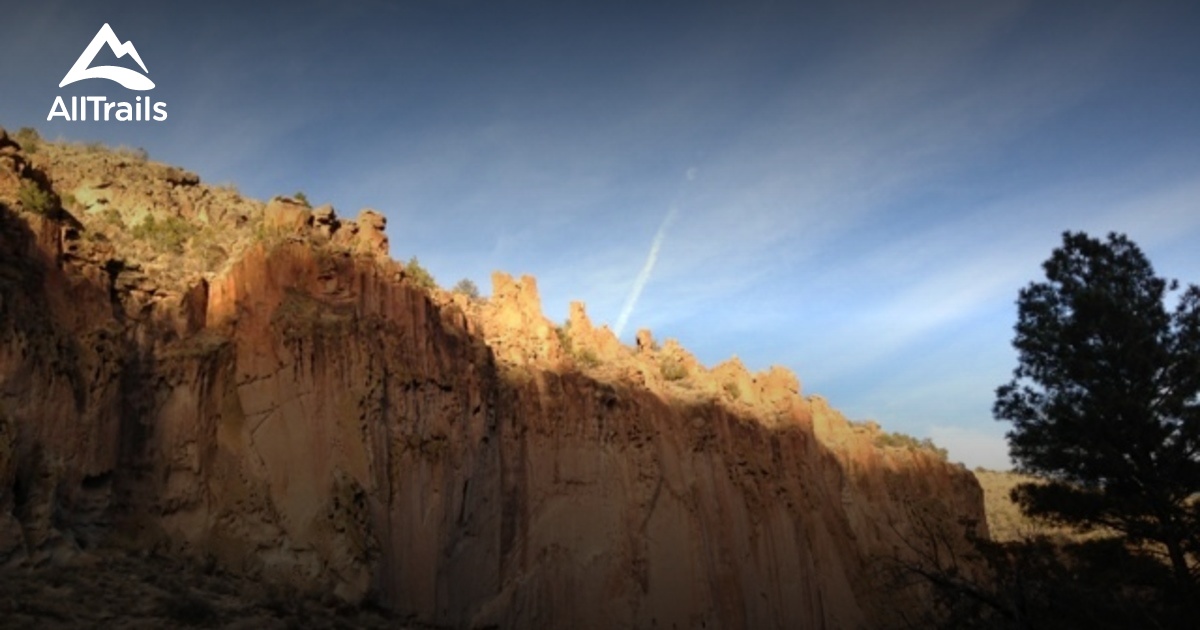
(586, 357)
(29, 139)
(136, 154)
(903, 440)
(564, 337)
(673, 370)
(420, 276)
(468, 288)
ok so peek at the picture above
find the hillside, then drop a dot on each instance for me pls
(259, 387)
(1004, 517)
(1005, 520)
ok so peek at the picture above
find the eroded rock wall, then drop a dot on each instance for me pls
(311, 416)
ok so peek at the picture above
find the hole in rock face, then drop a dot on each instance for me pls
(20, 490)
(27, 470)
(95, 482)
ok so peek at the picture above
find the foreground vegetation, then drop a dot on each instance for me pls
(1103, 529)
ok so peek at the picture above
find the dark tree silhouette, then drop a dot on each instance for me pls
(1105, 399)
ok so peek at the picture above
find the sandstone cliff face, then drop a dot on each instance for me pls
(308, 415)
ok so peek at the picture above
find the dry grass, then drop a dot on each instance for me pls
(1005, 520)
(154, 217)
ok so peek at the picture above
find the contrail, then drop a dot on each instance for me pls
(644, 275)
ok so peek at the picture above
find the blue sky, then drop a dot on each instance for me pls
(859, 188)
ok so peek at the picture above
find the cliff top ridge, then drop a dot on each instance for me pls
(159, 231)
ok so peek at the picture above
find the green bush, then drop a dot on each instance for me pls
(169, 234)
(420, 276)
(582, 356)
(673, 370)
(29, 139)
(34, 199)
(903, 440)
(302, 198)
(112, 216)
(586, 357)
(564, 338)
(467, 287)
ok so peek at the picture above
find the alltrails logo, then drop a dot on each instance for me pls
(142, 108)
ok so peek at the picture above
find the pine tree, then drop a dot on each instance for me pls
(1105, 399)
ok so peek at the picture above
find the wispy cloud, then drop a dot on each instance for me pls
(639, 283)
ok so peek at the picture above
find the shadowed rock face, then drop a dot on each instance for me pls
(310, 416)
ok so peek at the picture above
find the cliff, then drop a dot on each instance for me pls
(263, 388)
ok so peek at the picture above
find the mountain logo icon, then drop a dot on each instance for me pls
(131, 79)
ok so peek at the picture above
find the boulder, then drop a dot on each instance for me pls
(325, 221)
(645, 340)
(370, 238)
(287, 216)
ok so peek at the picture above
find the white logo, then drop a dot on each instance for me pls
(142, 109)
(130, 79)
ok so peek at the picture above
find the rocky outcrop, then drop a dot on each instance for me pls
(288, 216)
(309, 415)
